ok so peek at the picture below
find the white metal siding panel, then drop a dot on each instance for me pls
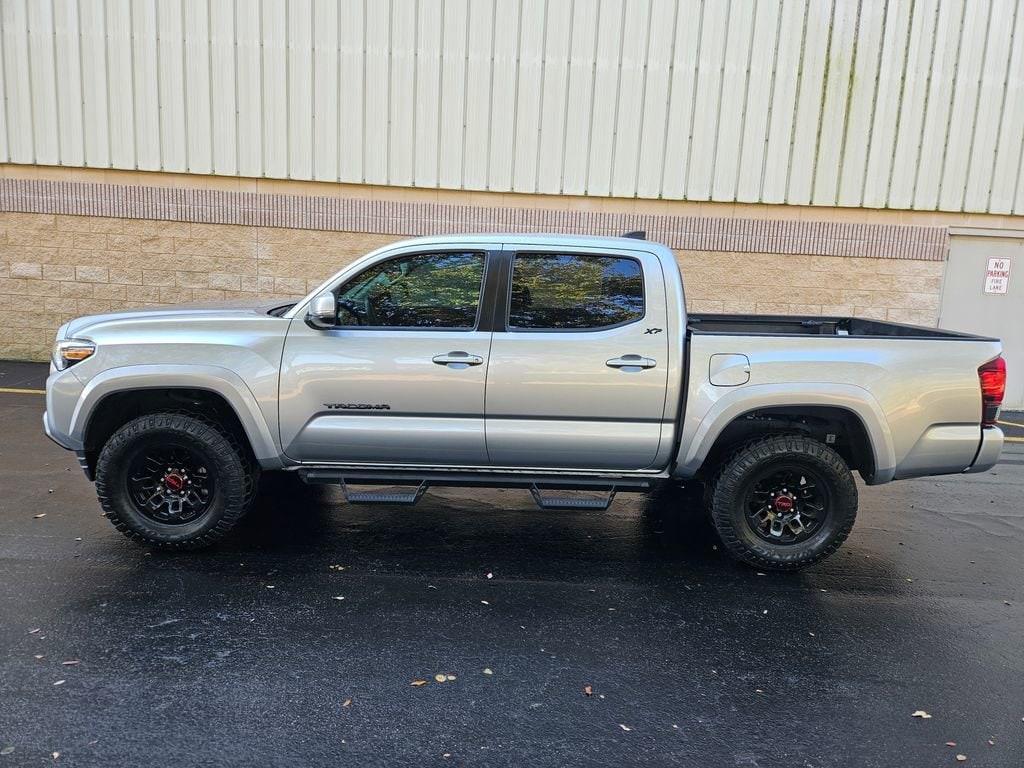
(503, 95)
(299, 89)
(325, 90)
(223, 109)
(803, 152)
(479, 80)
(960, 133)
(862, 98)
(576, 139)
(832, 131)
(120, 90)
(551, 123)
(453, 94)
(401, 99)
(708, 98)
(913, 105)
(939, 100)
(146, 126)
(197, 87)
(763, 58)
(891, 72)
(653, 112)
(788, 60)
(428, 92)
(248, 85)
(69, 82)
(170, 83)
(1006, 163)
(880, 103)
(732, 104)
(376, 91)
(14, 18)
(980, 155)
(351, 91)
(43, 85)
(274, 108)
(606, 90)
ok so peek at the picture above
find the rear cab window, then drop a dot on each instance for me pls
(567, 291)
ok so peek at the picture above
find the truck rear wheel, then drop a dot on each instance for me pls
(784, 502)
(173, 481)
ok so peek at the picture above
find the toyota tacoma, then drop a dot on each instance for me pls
(552, 363)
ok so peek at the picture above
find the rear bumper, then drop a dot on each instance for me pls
(989, 450)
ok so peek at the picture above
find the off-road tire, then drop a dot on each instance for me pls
(232, 494)
(728, 493)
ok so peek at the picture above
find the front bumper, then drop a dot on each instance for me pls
(989, 450)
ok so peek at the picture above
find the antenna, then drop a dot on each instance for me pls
(637, 234)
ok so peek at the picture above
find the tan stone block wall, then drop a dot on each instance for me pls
(54, 268)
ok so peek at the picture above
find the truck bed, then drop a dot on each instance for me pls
(797, 325)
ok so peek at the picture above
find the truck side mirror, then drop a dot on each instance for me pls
(323, 311)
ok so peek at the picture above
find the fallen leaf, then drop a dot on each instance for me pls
(6, 750)
(270, 586)
(440, 678)
(339, 597)
(625, 727)
(347, 703)
(418, 683)
(490, 575)
(950, 743)
(588, 690)
(38, 656)
(922, 714)
(60, 682)
(991, 743)
(55, 755)
(485, 602)
(451, 677)
(71, 663)
(33, 631)
(487, 671)
(764, 612)
(961, 758)
(41, 514)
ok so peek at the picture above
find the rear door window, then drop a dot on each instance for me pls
(553, 291)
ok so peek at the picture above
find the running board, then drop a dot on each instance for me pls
(369, 497)
(571, 502)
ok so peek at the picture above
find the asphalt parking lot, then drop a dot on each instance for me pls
(248, 655)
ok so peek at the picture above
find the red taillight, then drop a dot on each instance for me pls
(992, 376)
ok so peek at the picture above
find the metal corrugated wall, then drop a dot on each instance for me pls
(879, 103)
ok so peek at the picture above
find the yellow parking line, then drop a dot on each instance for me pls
(1014, 439)
(18, 391)
(1009, 423)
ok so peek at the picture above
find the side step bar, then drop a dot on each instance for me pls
(366, 497)
(548, 491)
(571, 502)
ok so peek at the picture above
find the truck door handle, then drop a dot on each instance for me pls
(458, 360)
(631, 363)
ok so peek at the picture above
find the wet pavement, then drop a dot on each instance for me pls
(244, 655)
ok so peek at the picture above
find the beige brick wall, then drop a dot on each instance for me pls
(54, 268)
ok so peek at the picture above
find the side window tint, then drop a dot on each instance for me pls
(426, 290)
(575, 291)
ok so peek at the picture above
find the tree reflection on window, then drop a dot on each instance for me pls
(575, 291)
(432, 290)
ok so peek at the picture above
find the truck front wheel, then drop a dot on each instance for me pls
(173, 481)
(784, 502)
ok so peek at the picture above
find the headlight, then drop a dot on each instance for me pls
(67, 352)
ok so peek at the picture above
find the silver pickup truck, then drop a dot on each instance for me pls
(553, 363)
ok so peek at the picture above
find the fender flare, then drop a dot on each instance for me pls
(700, 434)
(211, 378)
